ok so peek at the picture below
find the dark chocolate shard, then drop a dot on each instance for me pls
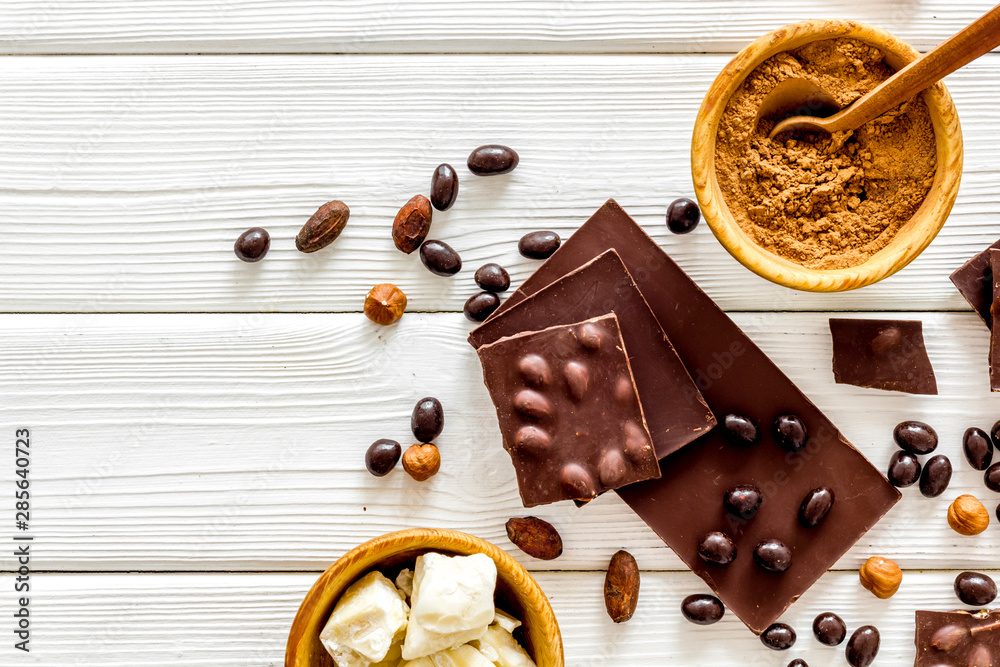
(958, 638)
(734, 376)
(974, 280)
(882, 354)
(994, 330)
(591, 436)
(675, 411)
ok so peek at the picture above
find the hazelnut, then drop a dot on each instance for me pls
(421, 462)
(967, 516)
(881, 576)
(385, 304)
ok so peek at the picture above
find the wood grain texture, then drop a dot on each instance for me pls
(127, 179)
(243, 619)
(420, 26)
(236, 442)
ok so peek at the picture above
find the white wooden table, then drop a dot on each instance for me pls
(199, 425)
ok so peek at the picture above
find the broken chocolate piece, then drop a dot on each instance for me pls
(995, 331)
(974, 280)
(675, 411)
(568, 411)
(959, 638)
(735, 376)
(882, 354)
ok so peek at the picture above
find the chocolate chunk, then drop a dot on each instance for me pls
(492, 277)
(935, 476)
(735, 376)
(978, 448)
(994, 314)
(675, 410)
(743, 501)
(975, 282)
(815, 506)
(538, 245)
(717, 548)
(740, 430)
(779, 637)
(480, 306)
(863, 646)
(570, 432)
(975, 588)
(882, 354)
(915, 437)
(992, 478)
(444, 187)
(829, 629)
(904, 469)
(791, 432)
(957, 638)
(683, 216)
(773, 555)
(702, 609)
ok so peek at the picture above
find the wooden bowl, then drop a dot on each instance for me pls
(911, 239)
(517, 592)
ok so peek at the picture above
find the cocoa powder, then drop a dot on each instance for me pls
(825, 202)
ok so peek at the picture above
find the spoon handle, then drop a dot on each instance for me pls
(979, 38)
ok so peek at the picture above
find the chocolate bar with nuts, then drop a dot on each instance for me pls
(735, 376)
(568, 410)
(959, 638)
(674, 409)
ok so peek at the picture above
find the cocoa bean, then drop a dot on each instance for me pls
(535, 537)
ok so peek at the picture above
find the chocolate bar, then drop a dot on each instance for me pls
(959, 638)
(568, 410)
(734, 376)
(974, 280)
(674, 409)
(882, 354)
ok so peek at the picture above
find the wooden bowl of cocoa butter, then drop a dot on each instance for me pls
(517, 592)
(822, 213)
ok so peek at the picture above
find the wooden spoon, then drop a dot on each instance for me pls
(981, 37)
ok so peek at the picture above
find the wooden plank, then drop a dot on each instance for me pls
(421, 26)
(127, 179)
(222, 620)
(236, 442)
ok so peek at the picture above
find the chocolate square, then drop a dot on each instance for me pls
(734, 375)
(959, 638)
(974, 280)
(675, 411)
(882, 354)
(568, 410)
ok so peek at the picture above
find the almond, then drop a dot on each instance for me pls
(412, 224)
(323, 227)
(535, 537)
(621, 587)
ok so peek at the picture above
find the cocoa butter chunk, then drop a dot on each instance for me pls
(882, 354)
(568, 410)
(959, 638)
(995, 330)
(673, 406)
